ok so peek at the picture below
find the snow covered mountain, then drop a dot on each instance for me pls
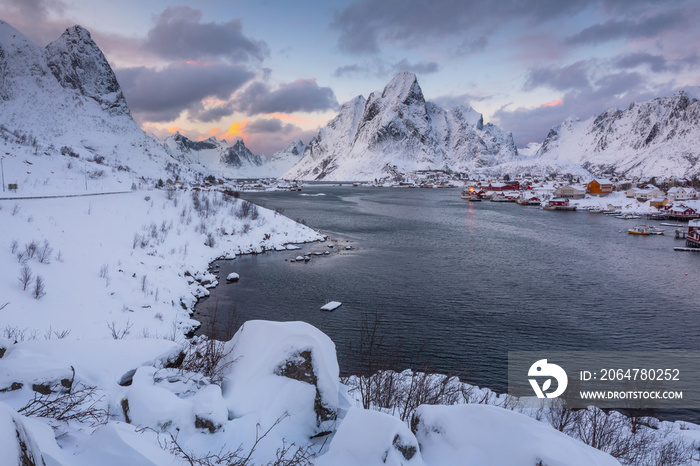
(65, 101)
(212, 156)
(655, 138)
(65, 125)
(397, 131)
(283, 160)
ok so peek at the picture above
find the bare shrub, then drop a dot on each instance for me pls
(25, 277)
(79, 404)
(39, 287)
(66, 150)
(43, 254)
(120, 333)
(59, 335)
(17, 334)
(135, 241)
(13, 246)
(208, 357)
(560, 417)
(254, 212)
(30, 249)
(210, 240)
(286, 455)
(244, 209)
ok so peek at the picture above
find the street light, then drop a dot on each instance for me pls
(2, 170)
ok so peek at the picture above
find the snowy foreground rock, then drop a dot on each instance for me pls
(278, 395)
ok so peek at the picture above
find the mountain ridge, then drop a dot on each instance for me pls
(652, 138)
(397, 130)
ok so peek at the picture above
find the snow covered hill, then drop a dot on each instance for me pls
(398, 131)
(654, 138)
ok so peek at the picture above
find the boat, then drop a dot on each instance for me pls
(639, 230)
(628, 216)
(645, 230)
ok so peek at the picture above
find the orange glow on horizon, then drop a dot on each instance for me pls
(553, 103)
(236, 129)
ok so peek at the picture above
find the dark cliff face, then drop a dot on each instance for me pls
(188, 144)
(77, 63)
(238, 154)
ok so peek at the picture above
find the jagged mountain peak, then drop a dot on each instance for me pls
(78, 63)
(404, 89)
(469, 115)
(397, 131)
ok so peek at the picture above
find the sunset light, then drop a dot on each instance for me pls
(553, 103)
(236, 129)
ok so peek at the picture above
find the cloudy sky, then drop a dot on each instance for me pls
(273, 71)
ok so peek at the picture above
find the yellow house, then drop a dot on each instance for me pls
(658, 202)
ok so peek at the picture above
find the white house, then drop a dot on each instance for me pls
(644, 194)
(570, 192)
(682, 193)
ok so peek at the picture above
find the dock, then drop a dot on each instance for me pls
(687, 249)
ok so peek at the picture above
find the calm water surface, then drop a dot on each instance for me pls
(457, 285)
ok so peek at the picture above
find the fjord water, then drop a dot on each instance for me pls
(456, 285)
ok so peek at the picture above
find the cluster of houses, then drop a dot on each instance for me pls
(679, 200)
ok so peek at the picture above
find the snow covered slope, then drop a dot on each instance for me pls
(397, 131)
(655, 138)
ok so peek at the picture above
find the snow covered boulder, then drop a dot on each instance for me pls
(98, 362)
(367, 438)
(18, 445)
(42, 380)
(232, 277)
(489, 435)
(210, 411)
(147, 405)
(283, 369)
(5, 346)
